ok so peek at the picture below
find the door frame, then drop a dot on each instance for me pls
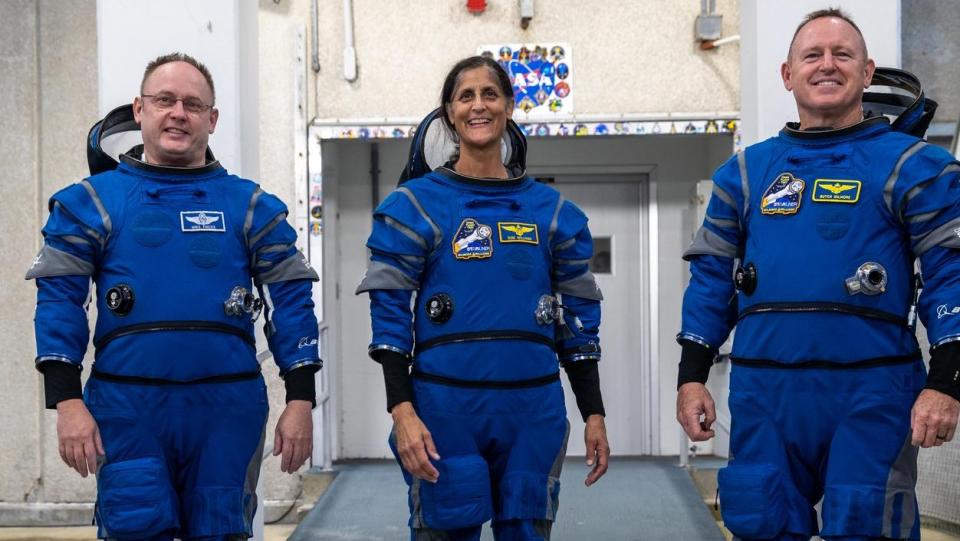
(646, 176)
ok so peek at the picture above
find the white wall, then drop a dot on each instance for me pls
(766, 28)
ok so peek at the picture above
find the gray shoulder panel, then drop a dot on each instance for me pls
(895, 175)
(53, 262)
(744, 184)
(553, 221)
(709, 243)
(294, 267)
(583, 286)
(947, 235)
(107, 225)
(380, 275)
(437, 234)
(248, 219)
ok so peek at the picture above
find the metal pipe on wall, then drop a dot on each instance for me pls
(349, 52)
(314, 38)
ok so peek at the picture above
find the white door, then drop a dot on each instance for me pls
(617, 213)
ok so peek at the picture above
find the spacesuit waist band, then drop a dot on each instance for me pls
(483, 336)
(139, 380)
(487, 384)
(863, 363)
(834, 307)
(173, 326)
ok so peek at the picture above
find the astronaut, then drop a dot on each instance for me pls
(828, 392)
(173, 416)
(498, 263)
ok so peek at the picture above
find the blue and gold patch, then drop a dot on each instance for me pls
(827, 190)
(518, 232)
(783, 196)
(473, 240)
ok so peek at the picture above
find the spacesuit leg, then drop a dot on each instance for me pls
(871, 472)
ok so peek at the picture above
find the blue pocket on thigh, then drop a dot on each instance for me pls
(135, 499)
(460, 498)
(752, 500)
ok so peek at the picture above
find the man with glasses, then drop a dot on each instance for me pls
(174, 413)
(828, 393)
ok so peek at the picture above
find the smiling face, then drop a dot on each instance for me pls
(175, 136)
(827, 70)
(479, 109)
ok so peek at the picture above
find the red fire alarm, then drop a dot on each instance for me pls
(476, 6)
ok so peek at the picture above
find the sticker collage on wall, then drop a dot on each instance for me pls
(542, 76)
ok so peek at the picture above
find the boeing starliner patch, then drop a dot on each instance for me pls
(783, 196)
(826, 190)
(202, 220)
(473, 240)
(518, 232)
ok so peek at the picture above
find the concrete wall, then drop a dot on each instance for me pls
(629, 56)
(931, 50)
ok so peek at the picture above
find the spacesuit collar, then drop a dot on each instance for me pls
(865, 127)
(517, 176)
(134, 158)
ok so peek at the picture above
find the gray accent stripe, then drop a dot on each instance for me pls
(722, 195)
(437, 234)
(407, 232)
(895, 175)
(267, 228)
(294, 267)
(554, 219)
(248, 220)
(940, 235)
(744, 184)
(915, 191)
(382, 275)
(709, 243)
(583, 286)
(86, 229)
(725, 224)
(554, 478)
(53, 262)
(572, 261)
(73, 239)
(925, 217)
(250, 480)
(272, 248)
(565, 244)
(902, 480)
(107, 226)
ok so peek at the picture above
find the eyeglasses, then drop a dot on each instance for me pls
(167, 101)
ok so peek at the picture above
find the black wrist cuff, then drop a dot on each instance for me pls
(300, 384)
(695, 363)
(61, 381)
(584, 379)
(944, 373)
(396, 377)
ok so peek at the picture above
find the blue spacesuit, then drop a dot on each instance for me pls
(490, 262)
(823, 228)
(175, 388)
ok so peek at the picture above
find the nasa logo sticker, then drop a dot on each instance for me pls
(783, 196)
(473, 240)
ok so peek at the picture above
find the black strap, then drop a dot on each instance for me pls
(140, 380)
(863, 363)
(487, 384)
(156, 326)
(834, 307)
(484, 335)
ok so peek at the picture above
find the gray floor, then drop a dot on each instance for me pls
(639, 499)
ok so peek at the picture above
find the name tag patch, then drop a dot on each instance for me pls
(473, 240)
(518, 232)
(202, 220)
(783, 196)
(826, 190)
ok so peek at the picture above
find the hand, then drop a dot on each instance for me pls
(694, 401)
(294, 435)
(933, 419)
(598, 450)
(414, 443)
(79, 436)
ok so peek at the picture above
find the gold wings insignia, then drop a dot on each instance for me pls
(837, 188)
(518, 230)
